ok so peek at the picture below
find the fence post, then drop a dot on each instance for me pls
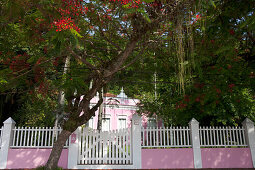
(194, 129)
(7, 138)
(136, 141)
(250, 137)
(73, 149)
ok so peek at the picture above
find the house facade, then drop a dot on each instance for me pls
(118, 111)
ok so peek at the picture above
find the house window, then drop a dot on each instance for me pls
(122, 123)
(105, 124)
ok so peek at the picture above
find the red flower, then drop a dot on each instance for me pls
(218, 91)
(232, 32)
(197, 99)
(231, 85)
(186, 98)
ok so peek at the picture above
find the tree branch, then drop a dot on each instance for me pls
(134, 60)
(83, 60)
(103, 35)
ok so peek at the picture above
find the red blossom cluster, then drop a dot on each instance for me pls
(133, 3)
(72, 8)
(199, 85)
(56, 61)
(231, 87)
(65, 24)
(39, 74)
(184, 103)
(218, 91)
(232, 32)
(43, 88)
(17, 63)
(69, 11)
(180, 105)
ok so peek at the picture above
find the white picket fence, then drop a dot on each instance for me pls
(1, 129)
(222, 136)
(122, 149)
(155, 137)
(170, 137)
(33, 137)
(110, 147)
(118, 142)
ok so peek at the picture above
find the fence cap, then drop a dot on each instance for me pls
(9, 121)
(247, 121)
(193, 121)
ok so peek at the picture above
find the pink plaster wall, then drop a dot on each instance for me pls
(226, 158)
(114, 111)
(167, 158)
(32, 158)
(119, 107)
(114, 117)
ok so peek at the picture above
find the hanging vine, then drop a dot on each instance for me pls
(184, 46)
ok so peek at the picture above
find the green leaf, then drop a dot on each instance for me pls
(127, 5)
(148, 1)
(73, 31)
(3, 81)
(145, 15)
(213, 3)
(130, 10)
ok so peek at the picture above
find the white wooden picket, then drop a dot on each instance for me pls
(222, 136)
(155, 137)
(33, 137)
(1, 133)
(102, 148)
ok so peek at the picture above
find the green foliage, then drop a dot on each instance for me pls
(222, 55)
(37, 111)
(220, 88)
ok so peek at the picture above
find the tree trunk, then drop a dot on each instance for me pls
(61, 95)
(100, 111)
(57, 149)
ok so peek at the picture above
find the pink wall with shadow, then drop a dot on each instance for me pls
(167, 158)
(226, 158)
(32, 158)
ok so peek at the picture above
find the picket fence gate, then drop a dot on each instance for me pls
(107, 147)
(116, 149)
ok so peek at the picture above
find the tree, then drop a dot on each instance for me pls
(101, 37)
(219, 79)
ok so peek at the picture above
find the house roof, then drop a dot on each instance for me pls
(109, 95)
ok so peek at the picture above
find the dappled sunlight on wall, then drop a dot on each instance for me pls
(31, 158)
(167, 158)
(226, 158)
